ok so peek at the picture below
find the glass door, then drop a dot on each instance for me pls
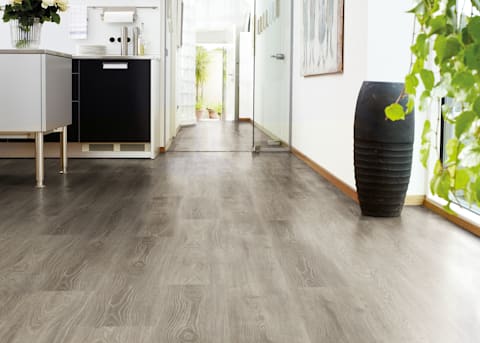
(272, 75)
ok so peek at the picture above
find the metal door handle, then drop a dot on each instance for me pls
(113, 65)
(278, 56)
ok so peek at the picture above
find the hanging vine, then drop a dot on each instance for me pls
(451, 41)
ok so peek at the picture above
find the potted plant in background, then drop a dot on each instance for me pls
(26, 18)
(447, 64)
(199, 109)
(202, 61)
(219, 109)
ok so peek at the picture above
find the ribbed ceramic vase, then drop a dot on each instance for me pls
(25, 36)
(383, 151)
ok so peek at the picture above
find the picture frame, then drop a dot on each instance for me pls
(323, 33)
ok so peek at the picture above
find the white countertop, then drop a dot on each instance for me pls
(115, 57)
(78, 57)
(33, 52)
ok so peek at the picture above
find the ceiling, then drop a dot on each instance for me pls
(219, 14)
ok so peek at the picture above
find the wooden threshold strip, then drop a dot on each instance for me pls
(245, 120)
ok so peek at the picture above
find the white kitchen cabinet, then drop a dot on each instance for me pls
(36, 98)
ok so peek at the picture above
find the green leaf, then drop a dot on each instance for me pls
(410, 105)
(472, 56)
(395, 112)
(463, 80)
(424, 155)
(428, 79)
(411, 83)
(476, 106)
(452, 150)
(421, 48)
(418, 65)
(470, 156)
(424, 100)
(462, 178)
(438, 170)
(473, 28)
(427, 129)
(463, 122)
(466, 38)
(477, 190)
(426, 143)
(441, 186)
(446, 48)
(438, 25)
(472, 192)
(55, 18)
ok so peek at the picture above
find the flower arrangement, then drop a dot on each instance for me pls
(27, 11)
(27, 16)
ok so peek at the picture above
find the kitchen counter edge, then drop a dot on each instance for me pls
(33, 52)
(114, 57)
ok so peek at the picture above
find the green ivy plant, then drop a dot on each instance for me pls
(446, 63)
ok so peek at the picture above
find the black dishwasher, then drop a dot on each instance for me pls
(114, 98)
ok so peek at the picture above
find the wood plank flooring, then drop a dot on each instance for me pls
(223, 136)
(222, 248)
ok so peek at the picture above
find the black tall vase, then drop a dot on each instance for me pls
(383, 151)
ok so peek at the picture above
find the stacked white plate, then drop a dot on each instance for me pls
(95, 50)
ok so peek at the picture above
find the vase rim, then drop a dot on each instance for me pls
(35, 19)
(385, 82)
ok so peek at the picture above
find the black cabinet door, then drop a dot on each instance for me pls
(114, 101)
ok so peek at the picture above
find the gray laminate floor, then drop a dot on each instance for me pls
(211, 136)
(222, 247)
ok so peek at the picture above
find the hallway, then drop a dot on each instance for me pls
(261, 250)
(217, 136)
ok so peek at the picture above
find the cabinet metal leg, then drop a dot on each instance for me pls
(63, 151)
(39, 159)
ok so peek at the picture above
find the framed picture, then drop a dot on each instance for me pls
(322, 37)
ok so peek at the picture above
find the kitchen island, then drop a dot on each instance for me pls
(36, 99)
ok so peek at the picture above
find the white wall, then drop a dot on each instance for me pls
(377, 36)
(390, 30)
(324, 106)
(246, 75)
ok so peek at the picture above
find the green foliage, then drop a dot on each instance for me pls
(218, 108)
(199, 105)
(395, 112)
(201, 68)
(446, 54)
(426, 143)
(26, 11)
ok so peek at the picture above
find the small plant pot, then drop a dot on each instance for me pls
(212, 114)
(199, 114)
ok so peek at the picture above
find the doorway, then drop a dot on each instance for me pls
(241, 94)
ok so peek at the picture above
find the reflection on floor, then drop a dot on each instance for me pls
(211, 136)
